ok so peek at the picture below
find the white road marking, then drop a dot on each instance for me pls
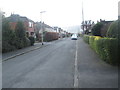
(76, 70)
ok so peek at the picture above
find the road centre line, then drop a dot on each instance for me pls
(76, 69)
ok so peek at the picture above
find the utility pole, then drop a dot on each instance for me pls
(42, 26)
(82, 17)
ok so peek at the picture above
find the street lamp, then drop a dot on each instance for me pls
(42, 25)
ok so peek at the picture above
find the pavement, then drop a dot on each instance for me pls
(12, 54)
(94, 72)
(64, 63)
(9, 55)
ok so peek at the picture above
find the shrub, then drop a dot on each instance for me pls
(8, 37)
(26, 42)
(91, 41)
(113, 30)
(21, 38)
(86, 38)
(32, 40)
(20, 30)
(106, 48)
(96, 30)
(50, 36)
(6, 47)
(13, 40)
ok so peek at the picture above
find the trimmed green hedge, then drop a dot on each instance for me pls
(106, 48)
(86, 38)
(113, 30)
(50, 36)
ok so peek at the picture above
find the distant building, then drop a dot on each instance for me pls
(28, 24)
(60, 31)
(42, 26)
(45, 27)
(87, 26)
(56, 29)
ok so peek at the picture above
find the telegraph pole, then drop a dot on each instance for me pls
(42, 26)
(82, 17)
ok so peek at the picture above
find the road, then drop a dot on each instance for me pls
(63, 64)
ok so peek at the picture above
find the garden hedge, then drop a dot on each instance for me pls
(86, 38)
(50, 36)
(106, 48)
(32, 40)
(113, 30)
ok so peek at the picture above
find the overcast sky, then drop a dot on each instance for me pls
(62, 13)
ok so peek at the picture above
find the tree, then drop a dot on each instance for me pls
(22, 40)
(113, 30)
(96, 30)
(8, 37)
(20, 30)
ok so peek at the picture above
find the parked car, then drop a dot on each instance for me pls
(74, 37)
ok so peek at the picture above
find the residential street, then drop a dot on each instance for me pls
(61, 64)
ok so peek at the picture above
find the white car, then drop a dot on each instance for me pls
(74, 37)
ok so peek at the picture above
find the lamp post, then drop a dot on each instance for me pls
(42, 25)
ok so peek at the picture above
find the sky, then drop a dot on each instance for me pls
(62, 13)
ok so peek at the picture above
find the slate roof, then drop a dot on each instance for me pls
(16, 18)
(45, 25)
(107, 21)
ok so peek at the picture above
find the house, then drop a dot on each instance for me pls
(57, 29)
(28, 24)
(47, 31)
(87, 26)
(45, 27)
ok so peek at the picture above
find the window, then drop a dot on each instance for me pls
(30, 24)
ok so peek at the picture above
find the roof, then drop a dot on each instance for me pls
(43, 24)
(106, 21)
(16, 18)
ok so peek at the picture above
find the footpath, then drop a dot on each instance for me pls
(94, 72)
(9, 55)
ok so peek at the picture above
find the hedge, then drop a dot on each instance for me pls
(50, 36)
(106, 48)
(96, 30)
(86, 38)
(113, 30)
(13, 39)
(32, 40)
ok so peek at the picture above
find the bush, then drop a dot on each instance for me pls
(21, 38)
(8, 37)
(6, 47)
(32, 40)
(13, 40)
(106, 48)
(86, 38)
(26, 42)
(96, 30)
(113, 30)
(50, 36)
(91, 42)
